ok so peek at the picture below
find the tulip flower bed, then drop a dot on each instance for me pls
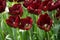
(29, 19)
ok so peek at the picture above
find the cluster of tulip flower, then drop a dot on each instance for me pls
(36, 7)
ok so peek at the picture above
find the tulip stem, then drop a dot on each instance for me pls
(30, 35)
(34, 28)
(47, 36)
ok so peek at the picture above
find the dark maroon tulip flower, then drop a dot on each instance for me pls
(27, 3)
(16, 10)
(34, 8)
(54, 6)
(46, 5)
(15, 0)
(20, 0)
(13, 21)
(57, 15)
(44, 22)
(48, 0)
(51, 6)
(57, 4)
(25, 23)
(10, 0)
(2, 5)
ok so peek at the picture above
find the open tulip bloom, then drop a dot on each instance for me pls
(30, 20)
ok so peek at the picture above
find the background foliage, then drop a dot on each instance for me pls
(9, 33)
